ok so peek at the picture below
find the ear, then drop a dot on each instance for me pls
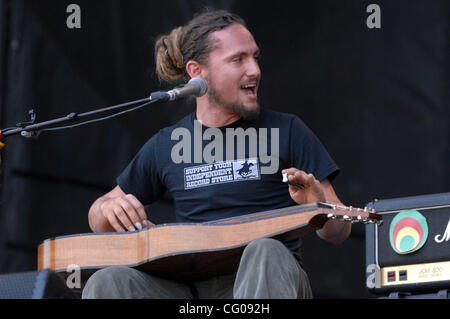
(193, 68)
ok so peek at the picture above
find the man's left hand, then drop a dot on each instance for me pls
(312, 191)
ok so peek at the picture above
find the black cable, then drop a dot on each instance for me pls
(97, 120)
(8, 129)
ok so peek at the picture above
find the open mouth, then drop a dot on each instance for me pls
(249, 89)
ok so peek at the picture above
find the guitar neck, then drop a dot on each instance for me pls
(352, 214)
(339, 212)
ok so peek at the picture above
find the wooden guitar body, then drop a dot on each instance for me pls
(186, 250)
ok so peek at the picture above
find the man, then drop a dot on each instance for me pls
(217, 47)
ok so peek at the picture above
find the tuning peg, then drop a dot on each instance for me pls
(367, 221)
(346, 218)
(331, 216)
(356, 219)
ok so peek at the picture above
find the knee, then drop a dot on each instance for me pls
(109, 274)
(104, 280)
(266, 245)
(267, 250)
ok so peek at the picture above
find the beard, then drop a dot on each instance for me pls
(214, 98)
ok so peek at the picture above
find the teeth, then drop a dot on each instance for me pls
(248, 86)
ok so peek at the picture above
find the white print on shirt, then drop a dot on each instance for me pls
(214, 151)
(221, 172)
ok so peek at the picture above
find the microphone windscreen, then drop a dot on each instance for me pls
(200, 83)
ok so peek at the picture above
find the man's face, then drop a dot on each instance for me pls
(233, 72)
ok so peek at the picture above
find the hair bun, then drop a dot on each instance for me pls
(169, 58)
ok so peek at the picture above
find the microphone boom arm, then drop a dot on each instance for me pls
(196, 86)
(32, 129)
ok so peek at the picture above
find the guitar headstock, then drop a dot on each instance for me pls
(351, 214)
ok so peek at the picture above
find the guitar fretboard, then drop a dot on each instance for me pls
(339, 212)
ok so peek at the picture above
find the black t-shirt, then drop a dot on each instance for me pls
(215, 173)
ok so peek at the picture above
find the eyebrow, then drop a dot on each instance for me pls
(240, 53)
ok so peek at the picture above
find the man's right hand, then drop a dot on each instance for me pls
(124, 213)
(117, 211)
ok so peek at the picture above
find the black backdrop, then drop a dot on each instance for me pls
(377, 98)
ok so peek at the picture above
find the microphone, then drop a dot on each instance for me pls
(196, 87)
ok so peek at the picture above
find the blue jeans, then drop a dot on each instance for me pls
(267, 270)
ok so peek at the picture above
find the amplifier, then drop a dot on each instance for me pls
(410, 251)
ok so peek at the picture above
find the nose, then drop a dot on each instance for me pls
(253, 70)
